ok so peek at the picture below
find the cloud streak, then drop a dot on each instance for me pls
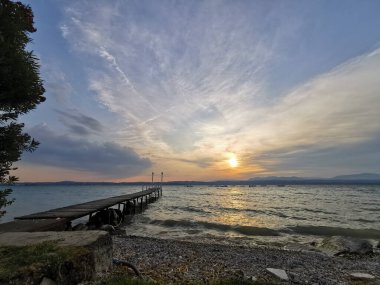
(105, 159)
(81, 122)
(192, 83)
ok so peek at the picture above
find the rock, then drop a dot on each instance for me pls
(336, 245)
(92, 258)
(298, 247)
(107, 228)
(80, 227)
(107, 216)
(279, 273)
(251, 278)
(239, 273)
(313, 243)
(47, 281)
(362, 276)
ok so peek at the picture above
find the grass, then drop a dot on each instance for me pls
(46, 257)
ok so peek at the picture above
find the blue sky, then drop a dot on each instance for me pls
(184, 87)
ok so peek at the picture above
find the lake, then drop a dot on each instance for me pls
(233, 214)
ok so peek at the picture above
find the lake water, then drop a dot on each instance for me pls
(229, 214)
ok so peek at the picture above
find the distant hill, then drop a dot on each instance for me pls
(279, 178)
(361, 176)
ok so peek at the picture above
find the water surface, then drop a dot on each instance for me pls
(236, 213)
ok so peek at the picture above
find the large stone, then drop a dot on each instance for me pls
(106, 217)
(362, 276)
(47, 281)
(98, 245)
(80, 227)
(279, 273)
(107, 228)
(336, 245)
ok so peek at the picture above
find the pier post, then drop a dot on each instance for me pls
(162, 180)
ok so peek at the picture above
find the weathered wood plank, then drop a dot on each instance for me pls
(84, 209)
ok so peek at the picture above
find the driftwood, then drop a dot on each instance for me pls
(130, 265)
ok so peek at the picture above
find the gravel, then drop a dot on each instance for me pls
(182, 262)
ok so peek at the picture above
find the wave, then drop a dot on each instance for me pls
(335, 231)
(365, 221)
(371, 209)
(317, 211)
(190, 209)
(245, 230)
(247, 210)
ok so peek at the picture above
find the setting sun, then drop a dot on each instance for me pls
(233, 162)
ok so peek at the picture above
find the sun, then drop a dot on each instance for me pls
(233, 162)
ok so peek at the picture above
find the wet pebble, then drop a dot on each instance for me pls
(183, 262)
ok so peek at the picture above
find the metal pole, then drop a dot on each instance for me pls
(162, 180)
(152, 177)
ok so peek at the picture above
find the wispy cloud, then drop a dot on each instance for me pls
(56, 84)
(191, 82)
(183, 70)
(335, 110)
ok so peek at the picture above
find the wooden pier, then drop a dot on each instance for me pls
(125, 203)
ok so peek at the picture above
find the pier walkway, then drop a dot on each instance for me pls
(124, 203)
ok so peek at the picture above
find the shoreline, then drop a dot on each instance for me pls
(168, 261)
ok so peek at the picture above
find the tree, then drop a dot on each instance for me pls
(21, 88)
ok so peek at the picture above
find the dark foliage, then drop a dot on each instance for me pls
(21, 88)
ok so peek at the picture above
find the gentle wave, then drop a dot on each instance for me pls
(371, 209)
(244, 210)
(190, 209)
(335, 231)
(365, 221)
(317, 211)
(245, 230)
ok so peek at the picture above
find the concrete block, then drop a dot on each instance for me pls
(99, 244)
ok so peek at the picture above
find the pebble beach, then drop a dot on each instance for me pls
(167, 261)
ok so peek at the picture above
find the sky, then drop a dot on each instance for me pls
(205, 90)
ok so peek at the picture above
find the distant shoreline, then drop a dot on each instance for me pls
(218, 183)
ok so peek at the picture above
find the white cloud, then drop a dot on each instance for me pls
(335, 110)
(188, 81)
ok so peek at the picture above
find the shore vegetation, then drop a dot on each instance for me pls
(21, 89)
(46, 258)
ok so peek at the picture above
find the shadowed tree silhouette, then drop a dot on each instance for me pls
(21, 88)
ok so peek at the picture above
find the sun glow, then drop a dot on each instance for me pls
(233, 162)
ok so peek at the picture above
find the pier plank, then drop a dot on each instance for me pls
(80, 210)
